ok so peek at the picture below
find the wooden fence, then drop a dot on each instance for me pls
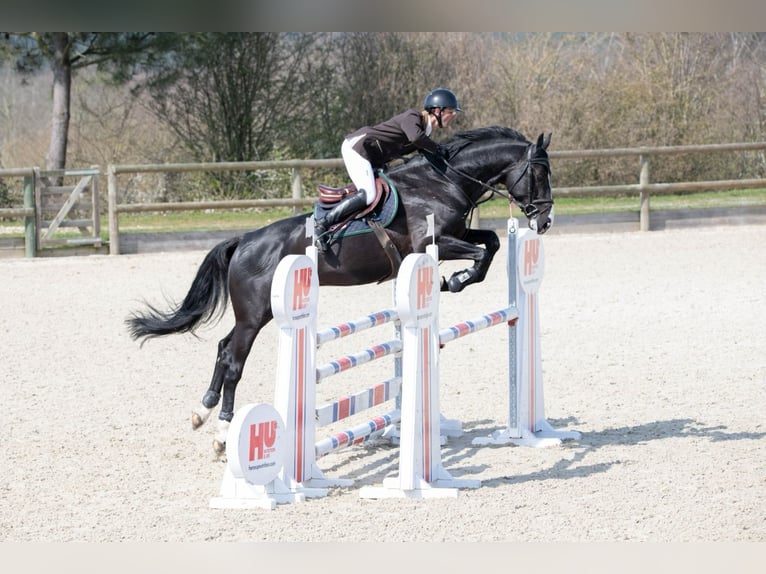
(51, 206)
(28, 212)
(643, 189)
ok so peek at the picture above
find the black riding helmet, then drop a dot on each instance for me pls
(441, 98)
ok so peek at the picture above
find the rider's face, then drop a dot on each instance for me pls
(448, 114)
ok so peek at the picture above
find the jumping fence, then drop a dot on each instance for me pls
(302, 197)
(272, 450)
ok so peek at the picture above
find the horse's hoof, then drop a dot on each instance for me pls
(197, 421)
(460, 279)
(457, 282)
(219, 447)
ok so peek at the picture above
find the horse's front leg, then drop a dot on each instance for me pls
(451, 248)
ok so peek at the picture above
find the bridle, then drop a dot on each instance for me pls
(530, 209)
(535, 206)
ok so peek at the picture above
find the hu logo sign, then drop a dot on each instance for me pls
(255, 443)
(425, 287)
(294, 291)
(263, 435)
(417, 290)
(531, 262)
(531, 255)
(301, 288)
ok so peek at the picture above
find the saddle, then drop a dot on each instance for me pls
(372, 219)
(329, 196)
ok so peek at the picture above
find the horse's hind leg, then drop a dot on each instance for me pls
(232, 358)
(213, 394)
(233, 350)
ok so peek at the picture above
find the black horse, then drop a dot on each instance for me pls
(241, 269)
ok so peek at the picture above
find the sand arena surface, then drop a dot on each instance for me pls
(654, 347)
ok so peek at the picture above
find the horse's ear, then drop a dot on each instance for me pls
(543, 141)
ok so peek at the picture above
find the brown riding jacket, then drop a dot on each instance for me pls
(394, 138)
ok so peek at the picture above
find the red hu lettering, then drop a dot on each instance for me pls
(531, 255)
(262, 435)
(425, 286)
(301, 287)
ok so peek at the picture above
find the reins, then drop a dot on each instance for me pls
(530, 209)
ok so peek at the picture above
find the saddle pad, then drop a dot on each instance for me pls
(385, 215)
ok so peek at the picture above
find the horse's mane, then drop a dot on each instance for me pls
(491, 132)
(467, 137)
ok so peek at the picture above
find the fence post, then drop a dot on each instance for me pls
(36, 180)
(114, 228)
(96, 204)
(297, 187)
(30, 235)
(643, 181)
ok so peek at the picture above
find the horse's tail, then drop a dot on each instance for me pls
(208, 292)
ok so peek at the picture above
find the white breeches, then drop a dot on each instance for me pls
(359, 169)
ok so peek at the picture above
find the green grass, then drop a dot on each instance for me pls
(585, 205)
(212, 220)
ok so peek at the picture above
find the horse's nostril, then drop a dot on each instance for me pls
(539, 226)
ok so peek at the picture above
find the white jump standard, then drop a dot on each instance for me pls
(527, 425)
(421, 474)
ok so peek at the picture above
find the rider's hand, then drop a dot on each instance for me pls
(440, 153)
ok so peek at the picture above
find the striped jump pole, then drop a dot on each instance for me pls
(353, 404)
(343, 330)
(358, 434)
(379, 426)
(508, 315)
(357, 326)
(366, 356)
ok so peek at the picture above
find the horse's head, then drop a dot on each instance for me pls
(478, 159)
(529, 185)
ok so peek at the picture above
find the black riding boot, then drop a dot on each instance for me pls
(345, 207)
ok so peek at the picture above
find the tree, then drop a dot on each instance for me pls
(122, 54)
(384, 73)
(233, 96)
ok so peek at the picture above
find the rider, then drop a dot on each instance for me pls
(371, 147)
